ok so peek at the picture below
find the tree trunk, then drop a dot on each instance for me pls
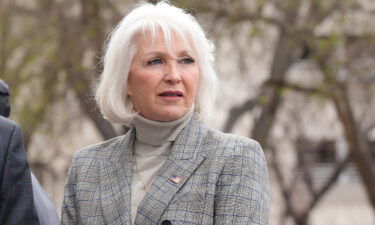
(71, 54)
(285, 55)
(358, 146)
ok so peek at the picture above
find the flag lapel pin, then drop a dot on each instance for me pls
(176, 179)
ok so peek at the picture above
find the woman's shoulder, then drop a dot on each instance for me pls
(233, 144)
(229, 138)
(102, 151)
(235, 150)
(7, 125)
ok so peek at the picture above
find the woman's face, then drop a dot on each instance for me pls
(162, 82)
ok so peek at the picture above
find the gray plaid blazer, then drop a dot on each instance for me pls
(223, 181)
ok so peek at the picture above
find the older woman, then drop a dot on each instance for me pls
(169, 168)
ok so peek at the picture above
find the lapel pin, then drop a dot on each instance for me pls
(176, 179)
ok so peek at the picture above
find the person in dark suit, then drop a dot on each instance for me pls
(4, 102)
(32, 192)
(17, 202)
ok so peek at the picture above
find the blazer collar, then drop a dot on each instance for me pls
(187, 143)
(176, 170)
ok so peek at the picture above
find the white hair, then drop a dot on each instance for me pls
(121, 47)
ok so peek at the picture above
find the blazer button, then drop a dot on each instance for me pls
(166, 222)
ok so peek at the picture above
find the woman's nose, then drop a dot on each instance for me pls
(172, 74)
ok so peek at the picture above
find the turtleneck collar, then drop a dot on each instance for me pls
(158, 133)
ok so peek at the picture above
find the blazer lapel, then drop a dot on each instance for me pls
(115, 182)
(176, 170)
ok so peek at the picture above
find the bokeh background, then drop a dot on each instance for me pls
(296, 75)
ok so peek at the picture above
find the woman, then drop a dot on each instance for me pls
(169, 168)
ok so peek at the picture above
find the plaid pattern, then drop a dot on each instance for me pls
(223, 180)
(17, 202)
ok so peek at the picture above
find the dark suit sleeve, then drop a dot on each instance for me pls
(17, 203)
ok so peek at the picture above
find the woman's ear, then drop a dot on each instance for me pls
(128, 88)
(128, 91)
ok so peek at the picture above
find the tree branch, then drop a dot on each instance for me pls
(340, 166)
(294, 87)
(286, 193)
(237, 111)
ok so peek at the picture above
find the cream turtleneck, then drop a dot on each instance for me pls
(152, 147)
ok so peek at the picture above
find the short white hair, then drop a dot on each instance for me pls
(121, 47)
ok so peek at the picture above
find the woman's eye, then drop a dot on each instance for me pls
(187, 60)
(154, 61)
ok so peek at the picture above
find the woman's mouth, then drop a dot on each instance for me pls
(171, 94)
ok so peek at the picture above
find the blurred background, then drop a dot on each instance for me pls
(296, 75)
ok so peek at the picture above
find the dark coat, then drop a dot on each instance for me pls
(17, 202)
